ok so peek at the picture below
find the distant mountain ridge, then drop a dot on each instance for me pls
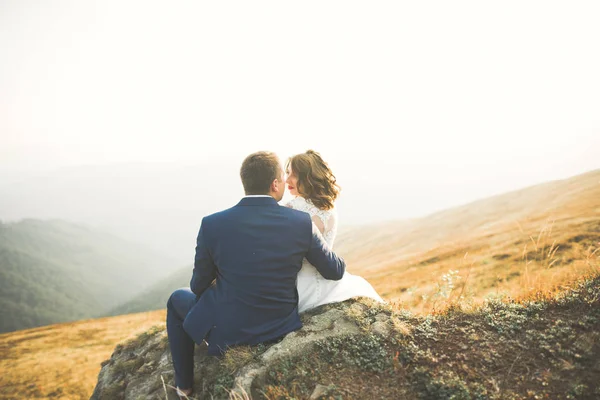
(155, 297)
(57, 271)
(157, 204)
(571, 197)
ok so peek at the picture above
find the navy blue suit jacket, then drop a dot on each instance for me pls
(247, 260)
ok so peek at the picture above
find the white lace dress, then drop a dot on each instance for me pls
(313, 289)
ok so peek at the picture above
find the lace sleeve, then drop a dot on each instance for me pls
(325, 220)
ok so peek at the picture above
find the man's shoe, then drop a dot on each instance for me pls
(184, 394)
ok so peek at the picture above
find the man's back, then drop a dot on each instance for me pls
(254, 251)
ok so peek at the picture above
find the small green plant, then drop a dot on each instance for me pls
(444, 289)
(366, 352)
(446, 386)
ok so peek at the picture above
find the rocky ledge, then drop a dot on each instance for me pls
(547, 348)
(142, 369)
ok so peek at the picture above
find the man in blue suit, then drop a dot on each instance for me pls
(243, 287)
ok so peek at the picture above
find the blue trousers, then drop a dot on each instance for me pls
(181, 345)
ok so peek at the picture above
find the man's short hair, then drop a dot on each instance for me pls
(258, 171)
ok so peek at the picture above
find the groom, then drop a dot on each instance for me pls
(243, 287)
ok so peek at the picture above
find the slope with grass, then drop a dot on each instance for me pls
(545, 347)
(55, 271)
(532, 239)
(155, 297)
(63, 360)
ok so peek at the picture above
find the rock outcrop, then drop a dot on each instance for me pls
(142, 369)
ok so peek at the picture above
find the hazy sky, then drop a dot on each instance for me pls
(470, 97)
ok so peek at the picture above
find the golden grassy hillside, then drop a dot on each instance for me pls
(63, 360)
(537, 239)
(533, 239)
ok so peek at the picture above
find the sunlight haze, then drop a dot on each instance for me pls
(416, 106)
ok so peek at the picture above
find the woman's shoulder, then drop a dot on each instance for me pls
(306, 205)
(299, 203)
(293, 202)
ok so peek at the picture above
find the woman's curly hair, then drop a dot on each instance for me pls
(316, 182)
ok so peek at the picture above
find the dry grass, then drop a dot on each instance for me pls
(551, 261)
(63, 361)
(539, 239)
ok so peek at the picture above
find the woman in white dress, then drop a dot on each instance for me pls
(314, 185)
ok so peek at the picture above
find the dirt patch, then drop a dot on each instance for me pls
(588, 238)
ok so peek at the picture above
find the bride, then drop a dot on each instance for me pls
(314, 185)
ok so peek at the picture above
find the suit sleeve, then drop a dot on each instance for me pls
(205, 270)
(323, 258)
